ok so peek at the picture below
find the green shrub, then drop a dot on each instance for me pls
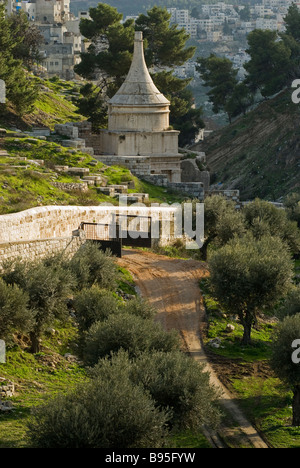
(94, 305)
(105, 413)
(286, 343)
(48, 285)
(177, 383)
(291, 305)
(139, 307)
(92, 266)
(287, 331)
(14, 311)
(129, 332)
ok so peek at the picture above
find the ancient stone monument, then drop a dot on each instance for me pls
(139, 134)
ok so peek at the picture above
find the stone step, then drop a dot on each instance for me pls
(106, 191)
(119, 188)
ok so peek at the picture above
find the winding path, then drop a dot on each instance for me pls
(172, 287)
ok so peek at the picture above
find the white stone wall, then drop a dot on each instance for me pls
(39, 249)
(56, 222)
(43, 231)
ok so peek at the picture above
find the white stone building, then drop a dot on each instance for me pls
(52, 11)
(63, 41)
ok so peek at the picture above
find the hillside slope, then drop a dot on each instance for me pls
(259, 154)
(53, 105)
(28, 177)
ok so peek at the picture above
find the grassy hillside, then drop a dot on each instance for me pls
(53, 105)
(260, 152)
(247, 373)
(24, 183)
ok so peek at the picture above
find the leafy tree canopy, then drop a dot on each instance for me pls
(292, 22)
(249, 275)
(225, 93)
(166, 43)
(286, 340)
(274, 63)
(270, 63)
(14, 54)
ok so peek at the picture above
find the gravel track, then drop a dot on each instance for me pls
(172, 287)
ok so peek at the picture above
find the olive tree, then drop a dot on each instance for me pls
(129, 332)
(14, 312)
(91, 266)
(107, 412)
(93, 305)
(177, 383)
(292, 204)
(291, 304)
(263, 218)
(248, 275)
(48, 285)
(221, 222)
(139, 306)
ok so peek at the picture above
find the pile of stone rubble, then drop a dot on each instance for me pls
(7, 390)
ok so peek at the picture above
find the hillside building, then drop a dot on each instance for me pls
(63, 41)
(52, 11)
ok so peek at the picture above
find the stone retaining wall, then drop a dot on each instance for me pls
(42, 231)
(70, 186)
(49, 222)
(39, 249)
(192, 189)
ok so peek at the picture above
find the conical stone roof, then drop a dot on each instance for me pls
(138, 89)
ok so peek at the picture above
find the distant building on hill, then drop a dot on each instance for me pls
(63, 41)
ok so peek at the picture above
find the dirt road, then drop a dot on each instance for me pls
(172, 287)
